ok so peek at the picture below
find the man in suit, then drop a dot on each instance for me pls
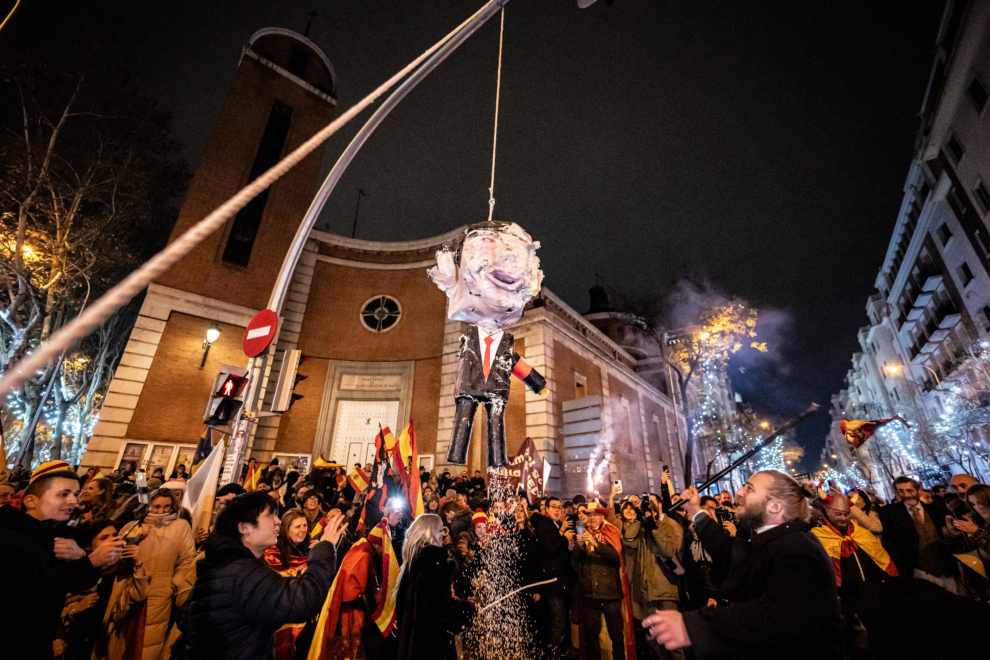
(916, 537)
(780, 586)
(485, 366)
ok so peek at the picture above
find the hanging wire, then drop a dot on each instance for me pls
(498, 89)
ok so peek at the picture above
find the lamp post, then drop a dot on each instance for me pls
(212, 334)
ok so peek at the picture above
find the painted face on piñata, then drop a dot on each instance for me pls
(498, 274)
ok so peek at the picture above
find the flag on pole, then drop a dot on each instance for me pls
(322, 463)
(857, 430)
(358, 479)
(201, 490)
(252, 478)
(203, 449)
(409, 470)
(526, 471)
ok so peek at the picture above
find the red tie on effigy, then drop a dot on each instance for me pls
(488, 353)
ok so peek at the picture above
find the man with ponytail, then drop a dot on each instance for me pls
(779, 592)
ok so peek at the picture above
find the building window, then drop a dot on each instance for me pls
(956, 151)
(580, 385)
(944, 234)
(381, 313)
(965, 274)
(977, 94)
(984, 252)
(240, 243)
(982, 195)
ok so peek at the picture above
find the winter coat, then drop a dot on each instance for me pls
(649, 582)
(781, 592)
(238, 601)
(35, 583)
(427, 616)
(598, 571)
(168, 554)
(460, 523)
(556, 555)
(127, 599)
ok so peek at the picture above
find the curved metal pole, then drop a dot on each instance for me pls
(309, 220)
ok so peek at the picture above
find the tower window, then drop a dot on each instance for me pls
(248, 219)
(298, 61)
(977, 94)
(956, 151)
(944, 234)
(982, 195)
(965, 274)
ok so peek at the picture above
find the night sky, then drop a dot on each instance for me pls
(762, 146)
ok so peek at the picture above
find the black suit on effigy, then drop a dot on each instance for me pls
(472, 388)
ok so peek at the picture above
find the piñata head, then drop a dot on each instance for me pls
(489, 274)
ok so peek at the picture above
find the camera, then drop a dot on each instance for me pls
(724, 515)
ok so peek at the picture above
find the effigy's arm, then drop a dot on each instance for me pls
(533, 379)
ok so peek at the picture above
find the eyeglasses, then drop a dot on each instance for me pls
(555, 506)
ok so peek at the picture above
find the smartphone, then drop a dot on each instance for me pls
(618, 486)
(579, 528)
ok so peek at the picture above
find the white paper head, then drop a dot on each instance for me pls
(490, 276)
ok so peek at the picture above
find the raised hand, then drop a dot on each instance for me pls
(692, 501)
(107, 554)
(334, 530)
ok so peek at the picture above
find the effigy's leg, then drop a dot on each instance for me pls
(460, 435)
(496, 433)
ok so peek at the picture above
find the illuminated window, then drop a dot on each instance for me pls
(381, 313)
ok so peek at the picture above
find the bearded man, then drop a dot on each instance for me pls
(780, 585)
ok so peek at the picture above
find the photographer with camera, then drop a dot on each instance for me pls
(650, 539)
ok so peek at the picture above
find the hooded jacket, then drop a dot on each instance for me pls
(239, 602)
(36, 582)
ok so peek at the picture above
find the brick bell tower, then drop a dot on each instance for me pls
(283, 93)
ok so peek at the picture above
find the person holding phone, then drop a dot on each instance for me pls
(555, 537)
(238, 601)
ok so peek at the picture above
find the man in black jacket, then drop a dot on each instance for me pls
(780, 585)
(554, 536)
(38, 565)
(238, 601)
(916, 537)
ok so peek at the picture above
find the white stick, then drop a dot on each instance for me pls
(512, 593)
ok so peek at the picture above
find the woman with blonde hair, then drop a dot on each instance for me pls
(427, 616)
(95, 502)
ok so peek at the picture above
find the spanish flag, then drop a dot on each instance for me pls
(253, 478)
(858, 430)
(409, 470)
(322, 463)
(318, 528)
(358, 479)
(352, 580)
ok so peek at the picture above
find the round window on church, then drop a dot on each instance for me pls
(381, 313)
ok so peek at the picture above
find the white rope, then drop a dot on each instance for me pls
(136, 282)
(498, 89)
(514, 592)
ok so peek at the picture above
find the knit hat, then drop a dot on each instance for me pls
(479, 518)
(53, 469)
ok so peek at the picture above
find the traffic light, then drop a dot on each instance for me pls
(225, 402)
(288, 378)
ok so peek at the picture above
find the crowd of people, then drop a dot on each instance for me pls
(304, 566)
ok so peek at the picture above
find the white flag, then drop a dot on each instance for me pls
(201, 490)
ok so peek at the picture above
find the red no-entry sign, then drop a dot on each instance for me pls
(260, 332)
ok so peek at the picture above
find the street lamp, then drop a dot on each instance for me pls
(765, 425)
(704, 335)
(894, 369)
(212, 334)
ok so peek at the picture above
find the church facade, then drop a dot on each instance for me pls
(377, 346)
